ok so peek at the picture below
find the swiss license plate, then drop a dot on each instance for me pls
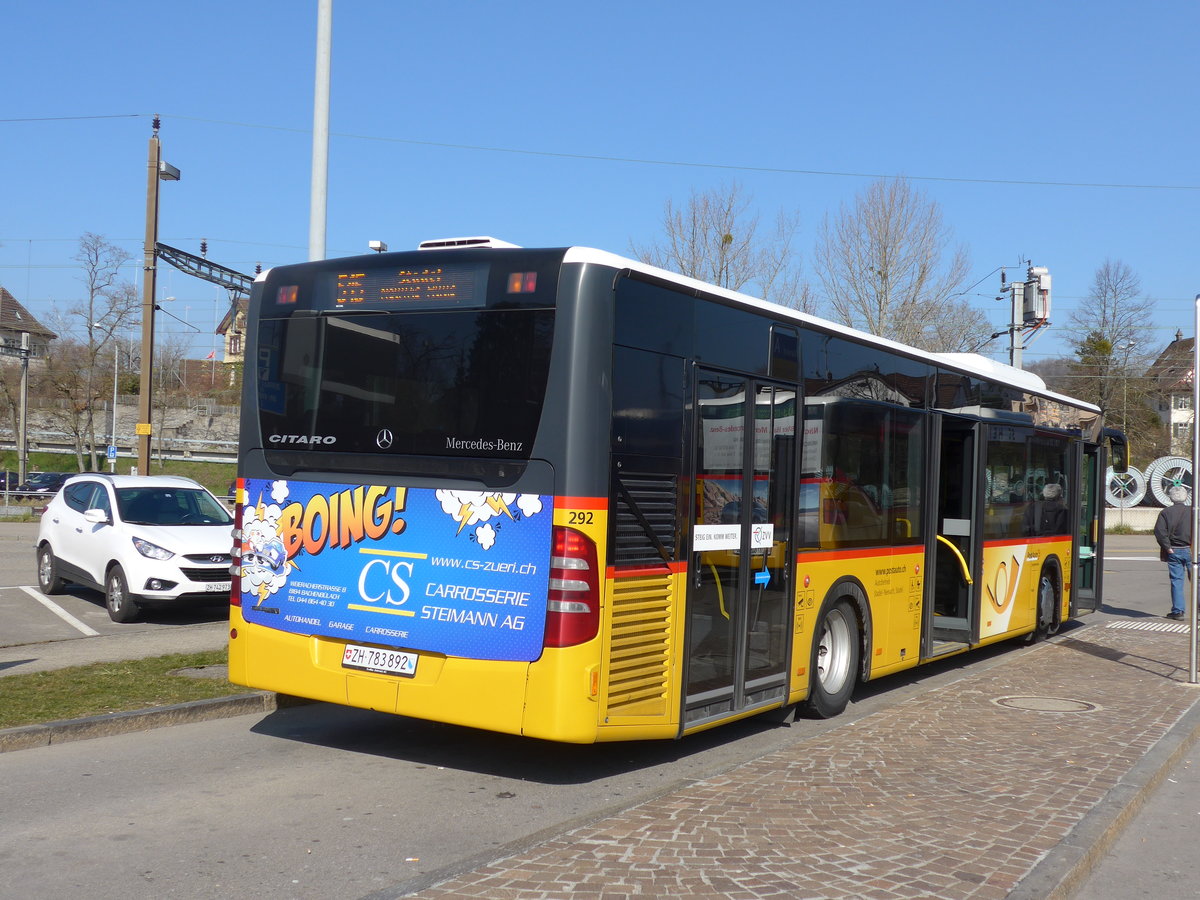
(376, 659)
(217, 587)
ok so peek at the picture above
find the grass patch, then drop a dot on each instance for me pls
(214, 476)
(110, 687)
(1124, 528)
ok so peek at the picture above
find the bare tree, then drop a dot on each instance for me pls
(10, 397)
(1111, 349)
(883, 269)
(715, 238)
(170, 357)
(110, 305)
(66, 380)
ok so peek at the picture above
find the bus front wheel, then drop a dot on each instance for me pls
(833, 672)
(1047, 606)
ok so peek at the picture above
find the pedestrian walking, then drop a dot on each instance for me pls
(1173, 531)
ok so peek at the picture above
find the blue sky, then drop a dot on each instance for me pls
(998, 112)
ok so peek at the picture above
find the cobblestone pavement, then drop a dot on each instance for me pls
(958, 793)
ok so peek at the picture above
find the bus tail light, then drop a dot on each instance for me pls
(573, 604)
(235, 567)
(522, 282)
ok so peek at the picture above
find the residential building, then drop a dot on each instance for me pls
(16, 320)
(1170, 379)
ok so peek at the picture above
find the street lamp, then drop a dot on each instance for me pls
(1125, 348)
(156, 170)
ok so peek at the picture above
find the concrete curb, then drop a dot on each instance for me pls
(29, 736)
(1064, 869)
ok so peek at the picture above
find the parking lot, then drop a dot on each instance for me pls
(29, 617)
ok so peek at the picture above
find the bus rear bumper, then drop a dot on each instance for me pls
(476, 693)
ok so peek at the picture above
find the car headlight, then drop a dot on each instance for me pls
(151, 550)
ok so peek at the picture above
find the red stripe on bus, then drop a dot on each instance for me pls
(703, 477)
(581, 503)
(803, 556)
(1017, 542)
(641, 571)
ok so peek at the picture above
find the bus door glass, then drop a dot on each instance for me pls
(743, 514)
(955, 540)
(1089, 532)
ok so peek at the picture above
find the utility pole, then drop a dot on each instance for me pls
(23, 418)
(156, 170)
(1193, 585)
(112, 437)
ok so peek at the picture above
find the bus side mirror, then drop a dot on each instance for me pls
(1118, 450)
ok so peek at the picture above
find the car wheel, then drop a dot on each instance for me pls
(47, 571)
(121, 606)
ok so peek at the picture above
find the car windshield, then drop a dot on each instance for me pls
(170, 506)
(44, 477)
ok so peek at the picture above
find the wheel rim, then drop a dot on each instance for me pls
(833, 653)
(1123, 486)
(1125, 490)
(45, 568)
(1046, 603)
(116, 595)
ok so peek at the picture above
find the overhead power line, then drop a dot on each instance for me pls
(678, 163)
(75, 118)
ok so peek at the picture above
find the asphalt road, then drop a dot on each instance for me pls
(322, 801)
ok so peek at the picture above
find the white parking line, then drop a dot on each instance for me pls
(59, 611)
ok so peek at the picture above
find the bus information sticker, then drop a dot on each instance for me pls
(463, 573)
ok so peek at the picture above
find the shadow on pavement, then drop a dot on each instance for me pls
(191, 614)
(436, 744)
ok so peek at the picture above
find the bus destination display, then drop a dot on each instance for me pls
(411, 286)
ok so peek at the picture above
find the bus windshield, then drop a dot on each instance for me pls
(428, 377)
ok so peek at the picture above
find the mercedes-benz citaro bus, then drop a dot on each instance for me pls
(564, 494)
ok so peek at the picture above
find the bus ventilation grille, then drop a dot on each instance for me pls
(648, 524)
(639, 656)
(457, 243)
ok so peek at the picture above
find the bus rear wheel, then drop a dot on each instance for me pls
(833, 671)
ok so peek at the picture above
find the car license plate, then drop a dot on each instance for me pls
(217, 587)
(376, 659)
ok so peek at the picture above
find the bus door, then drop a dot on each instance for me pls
(740, 567)
(1088, 530)
(954, 551)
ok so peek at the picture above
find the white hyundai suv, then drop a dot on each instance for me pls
(142, 540)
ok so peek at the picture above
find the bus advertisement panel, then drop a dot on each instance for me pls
(464, 573)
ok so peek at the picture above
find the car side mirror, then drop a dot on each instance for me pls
(96, 517)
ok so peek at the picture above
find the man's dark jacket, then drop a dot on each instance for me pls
(1173, 528)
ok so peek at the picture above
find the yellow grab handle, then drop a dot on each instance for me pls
(961, 561)
(720, 591)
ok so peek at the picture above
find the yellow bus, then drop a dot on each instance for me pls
(563, 494)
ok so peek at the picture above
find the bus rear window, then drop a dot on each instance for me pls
(458, 382)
